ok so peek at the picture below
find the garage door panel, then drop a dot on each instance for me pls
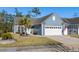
(49, 31)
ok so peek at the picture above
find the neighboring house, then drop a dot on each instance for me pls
(51, 25)
(71, 26)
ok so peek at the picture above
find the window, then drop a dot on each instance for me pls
(55, 27)
(59, 27)
(53, 18)
(46, 27)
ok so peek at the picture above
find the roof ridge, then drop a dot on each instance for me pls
(45, 17)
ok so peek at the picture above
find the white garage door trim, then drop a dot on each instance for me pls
(53, 30)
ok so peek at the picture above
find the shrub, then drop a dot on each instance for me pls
(22, 34)
(17, 32)
(0, 32)
(6, 36)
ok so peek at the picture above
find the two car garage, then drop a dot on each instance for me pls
(53, 30)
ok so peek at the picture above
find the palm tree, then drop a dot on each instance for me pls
(20, 27)
(27, 24)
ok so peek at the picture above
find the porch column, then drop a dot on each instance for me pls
(66, 31)
(15, 28)
(42, 29)
(78, 30)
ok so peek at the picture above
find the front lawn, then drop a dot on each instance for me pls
(30, 41)
(76, 36)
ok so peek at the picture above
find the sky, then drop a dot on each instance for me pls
(65, 12)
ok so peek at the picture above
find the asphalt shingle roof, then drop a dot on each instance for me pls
(71, 20)
(34, 20)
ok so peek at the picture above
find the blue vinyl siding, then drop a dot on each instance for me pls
(51, 22)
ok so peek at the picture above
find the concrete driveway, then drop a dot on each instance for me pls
(67, 40)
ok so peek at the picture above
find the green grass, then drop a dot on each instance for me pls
(29, 41)
(76, 36)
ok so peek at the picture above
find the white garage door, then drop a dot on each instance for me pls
(56, 30)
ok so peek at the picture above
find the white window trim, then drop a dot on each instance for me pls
(53, 18)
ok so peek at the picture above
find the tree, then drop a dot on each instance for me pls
(21, 23)
(29, 14)
(75, 14)
(1, 26)
(18, 14)
(26, 22)
(35, 12)
(4, 27)
(8, 22)
(2, 13)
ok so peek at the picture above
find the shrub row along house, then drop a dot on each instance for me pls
(51, 24)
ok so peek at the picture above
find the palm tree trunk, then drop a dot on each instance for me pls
(19, 29)
(26, 31)
(22, 29)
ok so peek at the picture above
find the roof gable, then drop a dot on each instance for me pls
(53, 20)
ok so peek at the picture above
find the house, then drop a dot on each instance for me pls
(71, 26)
(51, 24)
